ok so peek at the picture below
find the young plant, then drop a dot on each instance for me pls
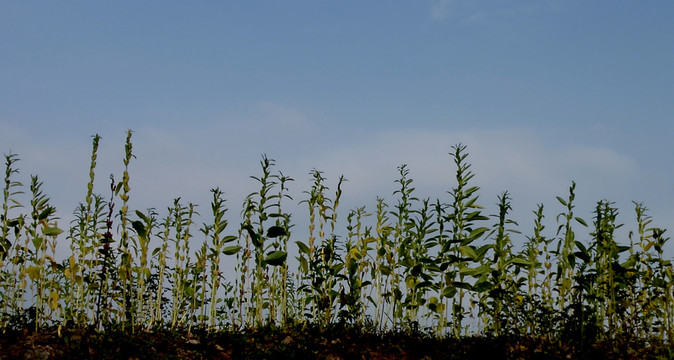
(84, 238)
(382, 269)
(219, 241)
(182, 288)
(356, 266)
(322, 269)
(417, 262)
(39, 231)
(126, 260)
(9, 224)
(566, 259)
(106, 263)
(464, 214)
(537, 304)
(401, 244)
(258, 211)
(144, 228)
(505, 266)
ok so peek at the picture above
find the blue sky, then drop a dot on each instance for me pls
(542, 92)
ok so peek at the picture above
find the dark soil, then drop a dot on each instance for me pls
(302, 342)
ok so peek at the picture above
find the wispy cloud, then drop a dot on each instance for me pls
(515, 160)
(474, 18)
(173, 164)
(440, 9)
(283, 118)
(472, 12)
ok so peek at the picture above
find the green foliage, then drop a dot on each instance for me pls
(439, 264)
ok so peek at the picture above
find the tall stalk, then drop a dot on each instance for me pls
(565, 248)
(182, 224)
(356, 267)
(325, 263)
(161, 254)
(41, 227)
(400, 242)
(663, 284)
(10, 191)
(106, 263)
(382, 269)
(439, 305)
(607, 268)
(259, 207)
(84, 240)
(641, 270)
(505, 267)
(464, 215)
(144, 228)
(218, 241)
(125, 266)
(281, 234)
(418, 262)
(318, 205)
(538, 298)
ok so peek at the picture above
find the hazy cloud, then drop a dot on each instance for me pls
(513, 160)
(188, 164)
(440, 9)
(283, 118)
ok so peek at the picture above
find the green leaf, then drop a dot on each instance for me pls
(142, 216)
(304, 265)
(572, 260)
(37, 241)
(423, 284)
(477, 233)
(416, 270)
(276, 258)
(254, 237)
(385, 270)
(561, 201)
(231, 250)
(51, 231)
(623, 248)
(475, 216)
(461, 285)
(482, 286)
(276, 231)
(519, 261)
(468, 251)
(45, 213)
(482, 250)
(581, 221)
(449, 292)
(33, 272)
(230, 238)
(484, 269)
(582, 255)
(139, 227)
(303, 247)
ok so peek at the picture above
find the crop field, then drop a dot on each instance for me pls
(440, 269)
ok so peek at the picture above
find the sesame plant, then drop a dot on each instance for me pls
(357, 265)
(504, 280)
(408, 264)
(320, 263)
(12, 281)
(264, 296)
(85, 234)
(464, 256)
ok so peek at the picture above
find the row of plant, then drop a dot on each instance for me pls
(443, 265)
